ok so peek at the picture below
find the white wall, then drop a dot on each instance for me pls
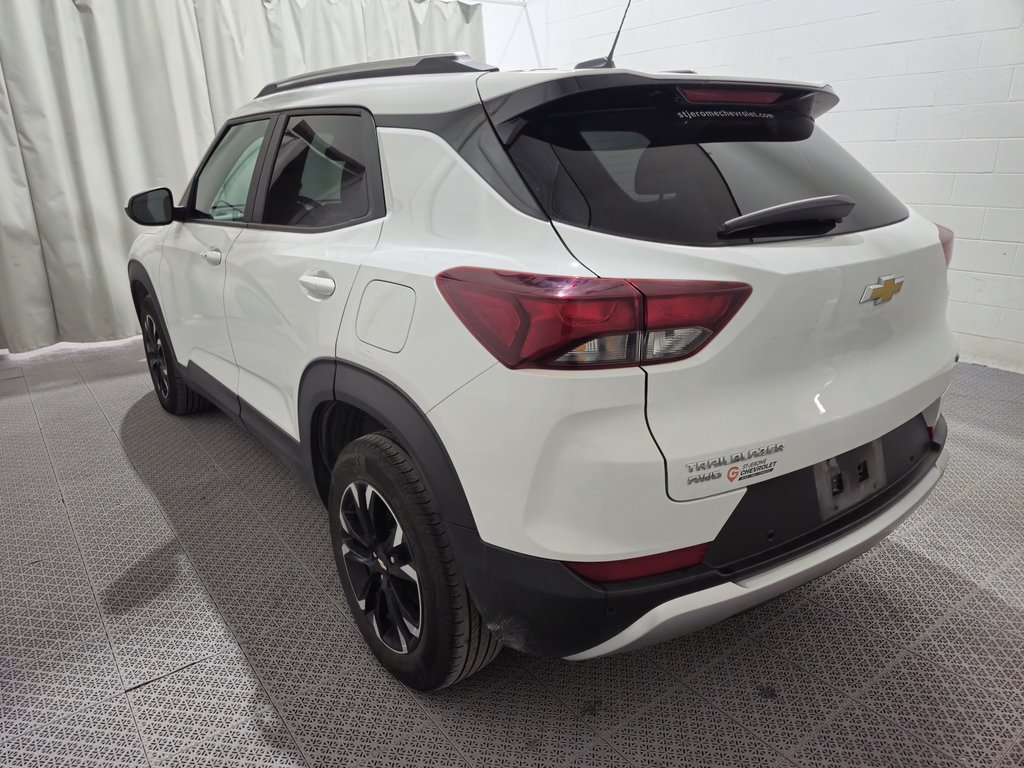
(932, 102)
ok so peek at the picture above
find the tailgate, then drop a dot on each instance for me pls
(806, 370)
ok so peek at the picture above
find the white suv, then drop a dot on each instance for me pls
(577, 360)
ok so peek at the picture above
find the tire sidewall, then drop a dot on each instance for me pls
(170, 403)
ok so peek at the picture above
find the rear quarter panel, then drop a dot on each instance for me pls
(440, 214)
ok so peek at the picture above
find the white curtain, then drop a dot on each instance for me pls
(103, 98)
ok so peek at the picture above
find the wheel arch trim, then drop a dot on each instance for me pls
(138, 275)
(328, 380)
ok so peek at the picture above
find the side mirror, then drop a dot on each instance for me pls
(151, 208)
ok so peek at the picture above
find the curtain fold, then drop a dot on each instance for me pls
(102, 98)
(26, 311)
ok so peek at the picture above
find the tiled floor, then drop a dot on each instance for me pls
(167, 596)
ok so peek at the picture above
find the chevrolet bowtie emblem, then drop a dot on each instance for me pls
(882, 291)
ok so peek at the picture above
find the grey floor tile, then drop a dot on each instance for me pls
(261, 742)
(160, 617)
(349, 719)
(859, 738)
(965, 543)
(985, 654)
(834, 649)
(1000, 601)
(779, 701)
(45, 604)
(508, 718)
(1014, 756)
(51, 686)
(604, 692)
(35, 533)
(683, 729)
(894, 592)
(293, 658)
(945, 711)
(425, 748)
(273, 492)
(103, 735)
(199, 705)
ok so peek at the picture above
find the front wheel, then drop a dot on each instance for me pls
(171, 390)
(397, 569)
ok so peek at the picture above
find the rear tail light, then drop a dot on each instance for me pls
(639, 567)
(681, 316)
(946, 238)
(545, 321)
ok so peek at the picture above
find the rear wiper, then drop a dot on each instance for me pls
(813, 216)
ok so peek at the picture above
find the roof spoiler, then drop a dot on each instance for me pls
(809, 99)
(435, 64)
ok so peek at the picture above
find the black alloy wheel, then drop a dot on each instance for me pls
(156, 356)
(380, 567)
(174, 394)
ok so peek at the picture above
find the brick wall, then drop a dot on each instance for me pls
(932, 102)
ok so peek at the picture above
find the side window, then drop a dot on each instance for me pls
(223, 185)
(319, 177)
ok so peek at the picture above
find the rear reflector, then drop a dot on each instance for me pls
(547, 321)
(725, 95)
(639, 567)
(946, 238)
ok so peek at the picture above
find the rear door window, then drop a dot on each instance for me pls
(639, 162)
(320, 176)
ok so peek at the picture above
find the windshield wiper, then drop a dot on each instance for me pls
(813, 216)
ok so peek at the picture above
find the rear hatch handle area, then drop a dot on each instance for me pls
(812, 216)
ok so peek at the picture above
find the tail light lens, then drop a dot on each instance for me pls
(946, 238)
(639, 567)
(547, 321)
(681, 316)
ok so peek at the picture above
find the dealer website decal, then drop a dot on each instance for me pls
(751, 469)
(692, 114)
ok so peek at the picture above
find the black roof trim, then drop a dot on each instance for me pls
(435, 64)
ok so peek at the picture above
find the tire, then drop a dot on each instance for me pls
(391, 549)
(171, 390)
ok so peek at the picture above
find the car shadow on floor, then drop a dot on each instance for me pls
(292, 633)
(144, 581)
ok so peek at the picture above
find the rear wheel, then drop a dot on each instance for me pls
(397, 569)
(171, 390)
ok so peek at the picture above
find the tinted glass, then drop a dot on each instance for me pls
(634, 162)
(319, 177)
(223, 185)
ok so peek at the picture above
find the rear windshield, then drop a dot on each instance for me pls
(642, 162)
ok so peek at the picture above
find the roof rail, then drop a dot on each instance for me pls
(415, 65)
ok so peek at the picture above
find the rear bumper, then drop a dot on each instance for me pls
(539, 606)
(700, 609)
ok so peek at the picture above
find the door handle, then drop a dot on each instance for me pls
(319, 285)
(212, 256)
